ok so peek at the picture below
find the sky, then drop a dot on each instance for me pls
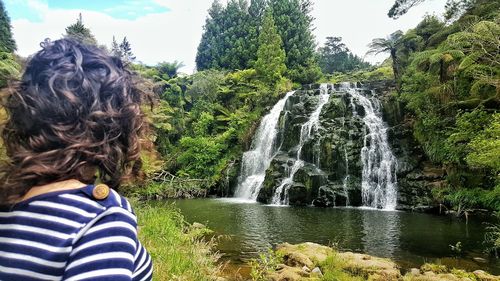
(170, 30)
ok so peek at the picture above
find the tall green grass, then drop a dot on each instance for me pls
(178, 250)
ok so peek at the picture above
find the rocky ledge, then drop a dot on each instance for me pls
(310, 261)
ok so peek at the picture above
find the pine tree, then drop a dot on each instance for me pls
(270, 64)
(7, 43)
(81, 33)
(256, 13)
(115, 48)
(126, 50)
(294, 25)
(235, 36)
(230, 37)
(208, 54)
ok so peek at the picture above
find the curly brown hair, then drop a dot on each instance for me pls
(75, 113)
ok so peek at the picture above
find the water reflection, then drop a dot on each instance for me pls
(381, 232)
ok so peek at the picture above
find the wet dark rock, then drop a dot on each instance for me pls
(334, 151)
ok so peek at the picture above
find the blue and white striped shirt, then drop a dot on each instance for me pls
(68, 235)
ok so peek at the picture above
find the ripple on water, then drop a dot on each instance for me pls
(409, 238)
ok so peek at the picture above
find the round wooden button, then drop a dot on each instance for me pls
(100, 192)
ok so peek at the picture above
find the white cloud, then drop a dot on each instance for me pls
(359, 21)
(168, 36)
(174, 35)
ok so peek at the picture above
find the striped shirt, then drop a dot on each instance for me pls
(68, 235)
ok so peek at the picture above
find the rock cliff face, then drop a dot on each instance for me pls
(332, 171)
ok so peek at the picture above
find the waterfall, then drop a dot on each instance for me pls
(379, 183)
(346, 178)
(263, 149)
(306, 133)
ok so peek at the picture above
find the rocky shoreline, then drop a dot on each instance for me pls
(310, 261)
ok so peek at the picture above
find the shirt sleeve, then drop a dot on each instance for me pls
(106, 249)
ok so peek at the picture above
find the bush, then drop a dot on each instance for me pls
(199, 156)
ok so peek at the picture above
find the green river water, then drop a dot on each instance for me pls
(411, 239)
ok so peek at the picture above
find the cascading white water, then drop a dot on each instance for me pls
(379, 183)
(346, 178)
(263, 149)
(306, 133)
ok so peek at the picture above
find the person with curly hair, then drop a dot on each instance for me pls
(74, 133)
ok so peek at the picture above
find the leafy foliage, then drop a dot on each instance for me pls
(450, 84)
(492, 238)
(266, 263)
(203, 122)
(484, 147)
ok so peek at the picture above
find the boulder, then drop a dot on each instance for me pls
(373, 268)
(299, 259)
(334, 151)
(310, 252)
(287, 273)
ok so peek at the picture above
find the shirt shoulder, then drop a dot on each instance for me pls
(106, 197)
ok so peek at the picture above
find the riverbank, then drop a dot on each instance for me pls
(243, 230)
(179, 250)
(310, 261)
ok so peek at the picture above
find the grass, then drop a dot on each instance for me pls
(178, 250)
(333, 270)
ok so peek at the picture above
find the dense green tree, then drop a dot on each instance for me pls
(270, 64)
(334, 56)
(294, 24)
(235, 48)
(7, 43)
(390, 45)
(81, 33)
(256, 13)
(230, 37)
(429, 26)
(9, 65)
(209, 49)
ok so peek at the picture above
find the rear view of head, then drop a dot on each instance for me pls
(74, 114)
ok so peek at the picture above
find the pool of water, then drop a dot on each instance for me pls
(411, 239)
